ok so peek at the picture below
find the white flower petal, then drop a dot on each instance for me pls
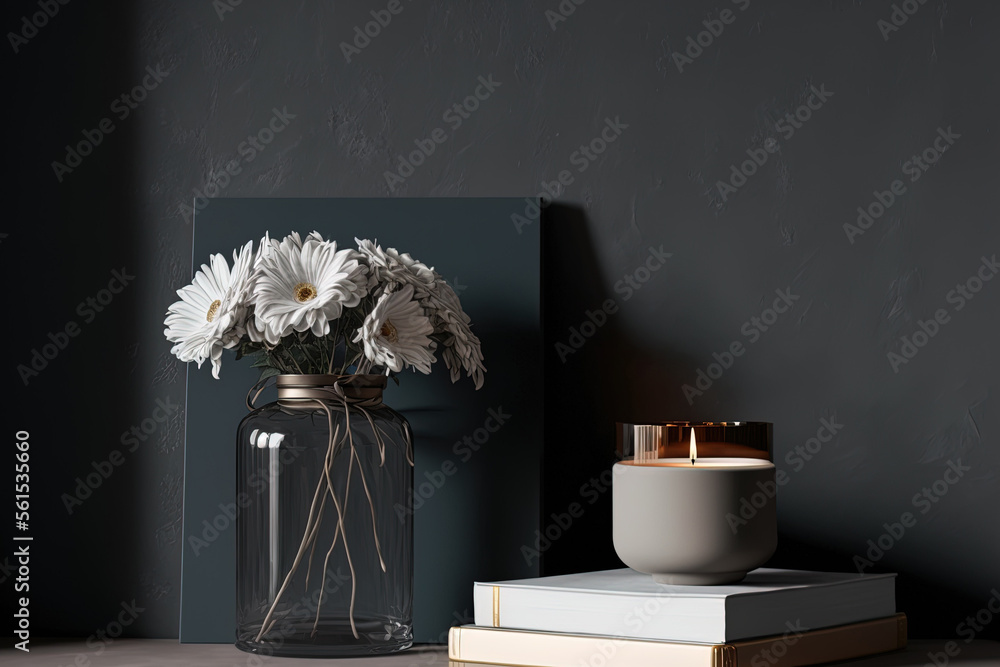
(396, 333)
(210, 314)
(329, 281)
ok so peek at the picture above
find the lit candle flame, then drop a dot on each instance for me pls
(694, 448)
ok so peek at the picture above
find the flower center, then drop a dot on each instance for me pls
(212, 310)
(389, 332)
(305, 292)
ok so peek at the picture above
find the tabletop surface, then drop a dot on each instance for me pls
(169, 653)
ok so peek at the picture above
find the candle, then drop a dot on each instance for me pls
(646, 442)
(682, 519)
(692, 461)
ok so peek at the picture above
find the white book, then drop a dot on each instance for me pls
(627, 603)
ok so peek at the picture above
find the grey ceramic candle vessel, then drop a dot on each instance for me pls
(695, 525)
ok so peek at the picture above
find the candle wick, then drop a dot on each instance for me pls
(692, 461)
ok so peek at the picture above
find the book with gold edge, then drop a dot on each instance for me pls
(794, 648)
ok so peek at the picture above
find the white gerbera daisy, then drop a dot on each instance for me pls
(297, 241)
(461, 349)
(302, 287)
(396, 333)
(211, 314)
(390, 268)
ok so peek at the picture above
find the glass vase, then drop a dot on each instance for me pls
(324, 560)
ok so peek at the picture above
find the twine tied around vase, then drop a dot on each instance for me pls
(341, 393)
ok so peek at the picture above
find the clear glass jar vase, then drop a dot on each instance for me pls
(324, 560)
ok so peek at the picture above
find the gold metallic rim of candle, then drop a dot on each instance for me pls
(722, 461)
(690, 423)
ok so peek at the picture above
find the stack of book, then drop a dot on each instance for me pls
(621, 618)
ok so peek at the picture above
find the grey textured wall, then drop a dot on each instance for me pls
(681, 131)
